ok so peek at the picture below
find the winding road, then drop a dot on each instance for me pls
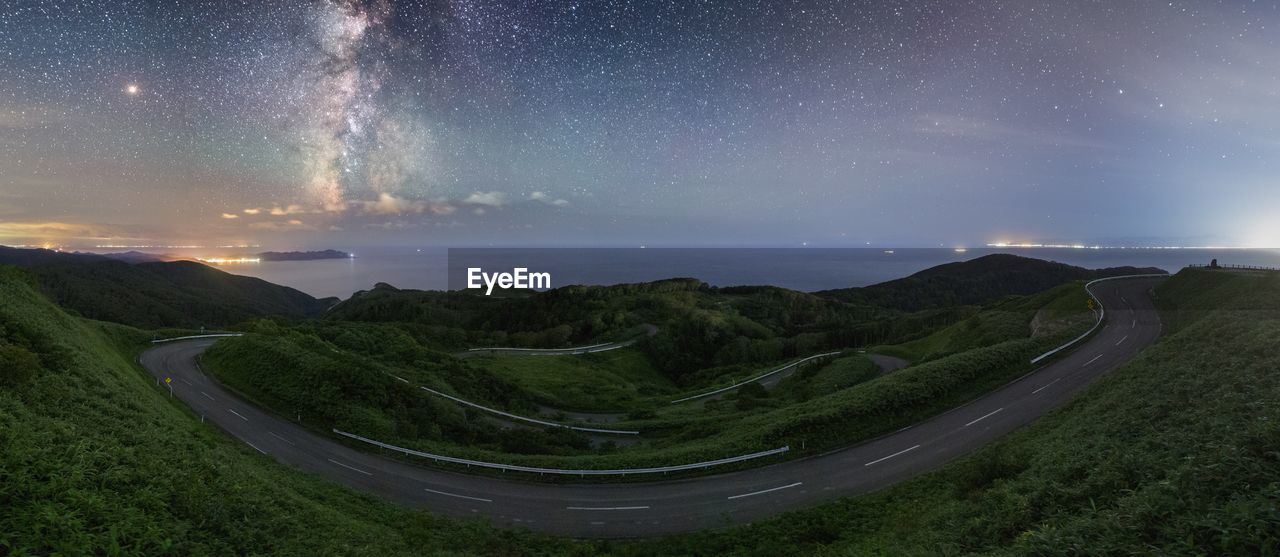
(664, 507)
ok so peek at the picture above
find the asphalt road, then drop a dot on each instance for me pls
(663, 507)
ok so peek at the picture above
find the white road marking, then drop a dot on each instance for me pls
(401, 379)
(277, 436)
(1126, 337)
(459, 496)
(1134, 325)
(1095, 358)
(206, 395)
(606, 508)
(184, 380)
(892, 455)
(237, 414)
(349, 467)
(764, 491)
(1046, 386)
(255, 447)
(983, 418)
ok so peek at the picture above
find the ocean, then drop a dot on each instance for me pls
(806, 269)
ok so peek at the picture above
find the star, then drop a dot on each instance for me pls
(132, 89)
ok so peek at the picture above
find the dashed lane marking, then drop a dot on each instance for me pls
(1046, 386)
(763, 491)
(352, 468)
(460, 496)
(984, 417)
(892, 455)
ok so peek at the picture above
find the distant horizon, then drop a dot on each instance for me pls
(350, 123)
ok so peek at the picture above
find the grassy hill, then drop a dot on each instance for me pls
(94, 459)
(1173, 453)
(974, 282)
(158, 294)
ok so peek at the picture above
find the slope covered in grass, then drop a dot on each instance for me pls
(94, 459)
(158, 294)
(977, 281)
(1174, 453)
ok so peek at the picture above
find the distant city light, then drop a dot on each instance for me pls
(1003, 245)
(230, 260)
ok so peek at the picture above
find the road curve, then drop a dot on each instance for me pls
(665, 507)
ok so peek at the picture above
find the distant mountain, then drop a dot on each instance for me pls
(303, 255)
(977, 281)
(158, 294)
(137, 257)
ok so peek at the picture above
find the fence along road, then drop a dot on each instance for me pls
(670, 506)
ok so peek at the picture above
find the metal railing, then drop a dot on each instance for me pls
(1102, 313)
(216, 335)
(563, 472)
(523, 418)
(1237, 267)
(754, 379)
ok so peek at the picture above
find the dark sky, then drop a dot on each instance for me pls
(339, 124)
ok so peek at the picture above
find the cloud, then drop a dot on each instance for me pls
(291, 224)
(489, 199)
(252, 211)
(55, 230)
(230, 216)
(544, 198)
(288, 210)
(388, 204)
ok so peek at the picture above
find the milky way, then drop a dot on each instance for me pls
(760, 123)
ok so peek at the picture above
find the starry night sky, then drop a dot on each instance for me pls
(343, 124)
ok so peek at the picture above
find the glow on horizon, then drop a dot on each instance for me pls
(230, 260)
(1003, 245)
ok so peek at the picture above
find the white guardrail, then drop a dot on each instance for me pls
(603, 347)
(523, 418)
(1102, 314)
(218, 335)
(754, 379)
(536, 470)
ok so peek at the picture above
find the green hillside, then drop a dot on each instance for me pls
(974, 282)
(1174, 453)
(94, 459)
(158, 294)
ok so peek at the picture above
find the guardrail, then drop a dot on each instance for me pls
(563, 472)
(217, 335)
(523, 418)
(1102, 314)
(754, 379)
(539, 349)
(1238, 267)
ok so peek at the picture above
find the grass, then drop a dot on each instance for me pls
(838, 374)
(1048, 313)
(1172, 454)
(610, 381)
(95, 460)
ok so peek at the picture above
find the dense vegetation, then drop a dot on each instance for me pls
(95, 460)
(158, 294)
(974, 282)
(1173, 454)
